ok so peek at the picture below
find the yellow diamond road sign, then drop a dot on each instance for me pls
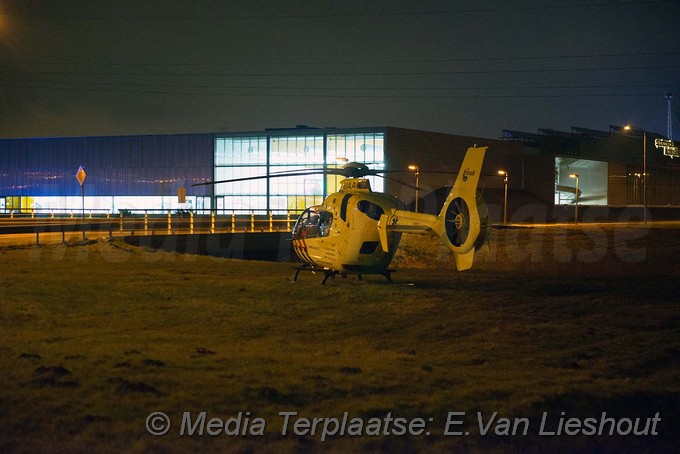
(81, 175)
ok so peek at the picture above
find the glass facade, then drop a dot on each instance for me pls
(269, 155)
(137, 173)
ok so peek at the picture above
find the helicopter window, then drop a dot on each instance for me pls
(313, 224)
(370, 209)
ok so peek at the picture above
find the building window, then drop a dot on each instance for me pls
(244, 157)
(240, 157)
(290, 154)
(593, 180)
(366, 148)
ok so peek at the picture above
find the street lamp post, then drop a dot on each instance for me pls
(505, 197)
(575, 175)
(644, 170)
(416, 171)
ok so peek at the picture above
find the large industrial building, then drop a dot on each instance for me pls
(136, 173)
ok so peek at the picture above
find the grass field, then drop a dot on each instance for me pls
(583, 321)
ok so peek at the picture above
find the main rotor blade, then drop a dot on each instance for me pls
(276, 175)
(448, 172)
(408, 185)
(347, 172)
(313, 169)
(377, 171)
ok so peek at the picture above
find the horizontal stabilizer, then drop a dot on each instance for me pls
(402, 221)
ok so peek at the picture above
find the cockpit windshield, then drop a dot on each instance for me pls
(313, 223)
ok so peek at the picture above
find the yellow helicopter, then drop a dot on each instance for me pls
(357, 231)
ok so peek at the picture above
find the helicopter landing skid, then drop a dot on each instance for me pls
(332, 273)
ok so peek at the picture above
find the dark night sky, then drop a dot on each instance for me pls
(469, 68)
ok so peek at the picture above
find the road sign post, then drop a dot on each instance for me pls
(80, 176)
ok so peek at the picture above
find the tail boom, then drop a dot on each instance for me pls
(458, 224)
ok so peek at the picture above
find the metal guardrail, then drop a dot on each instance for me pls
(148, 223)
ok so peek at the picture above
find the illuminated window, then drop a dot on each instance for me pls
(100, 205)
(592, 181)
(241, 151)
(296, 153)
(240, 157)
(244, 157)
(365, 148)
(297, 150)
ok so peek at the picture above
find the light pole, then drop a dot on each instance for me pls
(505, 197)
(644, 169)
(416, 171)
(575, 175)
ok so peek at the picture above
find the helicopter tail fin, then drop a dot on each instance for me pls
(463, 221)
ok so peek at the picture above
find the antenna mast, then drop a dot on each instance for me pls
(669, 125)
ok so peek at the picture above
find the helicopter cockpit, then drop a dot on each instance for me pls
(314, 222)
